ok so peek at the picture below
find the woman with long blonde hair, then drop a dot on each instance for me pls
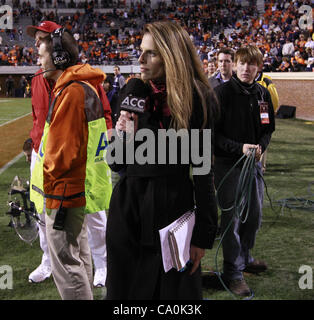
(149, 197)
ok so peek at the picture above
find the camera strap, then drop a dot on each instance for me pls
(52, 103)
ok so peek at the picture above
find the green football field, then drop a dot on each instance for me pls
(285, 240)
(13, 108)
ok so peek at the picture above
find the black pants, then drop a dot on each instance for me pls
(239, 237)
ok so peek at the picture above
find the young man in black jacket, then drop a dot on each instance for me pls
(246, 123)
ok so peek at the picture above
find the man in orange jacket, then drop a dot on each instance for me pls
(42, 95)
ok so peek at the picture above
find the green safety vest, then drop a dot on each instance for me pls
(98, 186)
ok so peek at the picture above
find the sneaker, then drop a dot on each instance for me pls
(239, 287)
(40, 274)
(100, 277)
(256, 266)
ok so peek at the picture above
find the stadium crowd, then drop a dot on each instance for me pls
(113, 37)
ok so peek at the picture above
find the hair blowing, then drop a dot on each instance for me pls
(183, 71)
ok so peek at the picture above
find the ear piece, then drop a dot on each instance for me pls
(60, 57)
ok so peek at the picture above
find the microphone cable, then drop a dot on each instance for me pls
(304, 203)
(242, 200)
(38, 74)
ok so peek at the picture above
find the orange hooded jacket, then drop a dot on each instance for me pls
(66, 146)
(41, 94)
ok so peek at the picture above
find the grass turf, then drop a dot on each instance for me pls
(285, 240)
(13, 108)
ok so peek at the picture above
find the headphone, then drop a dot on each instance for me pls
(60, 58)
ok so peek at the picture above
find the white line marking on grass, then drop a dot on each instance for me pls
(9, 164)
(25, 115)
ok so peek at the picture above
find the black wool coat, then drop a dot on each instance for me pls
(147, 198)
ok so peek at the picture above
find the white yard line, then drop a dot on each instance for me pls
(3, 124)
(10, 163)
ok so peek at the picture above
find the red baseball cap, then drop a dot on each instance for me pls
(45, 26)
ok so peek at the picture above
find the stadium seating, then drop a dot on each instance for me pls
(109, 31)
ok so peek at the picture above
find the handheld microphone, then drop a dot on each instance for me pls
(133, 95)
(132, 98)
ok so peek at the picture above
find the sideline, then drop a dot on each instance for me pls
(10, 163)
(24, 115)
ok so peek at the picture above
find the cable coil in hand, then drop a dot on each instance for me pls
(242, 200)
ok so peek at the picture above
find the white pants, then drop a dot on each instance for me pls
(45, 260)
(96, 228)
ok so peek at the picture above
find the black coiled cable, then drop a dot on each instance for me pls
(242, 200)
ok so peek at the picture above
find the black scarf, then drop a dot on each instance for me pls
(244, 87)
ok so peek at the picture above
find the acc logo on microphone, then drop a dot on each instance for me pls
(132, 103)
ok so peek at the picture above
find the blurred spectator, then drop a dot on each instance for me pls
(297, 62)
(112, 97)
(211, 68)
(273, 50)
(22, 86)
(285, 65)
(310, 60)
(20, 33)
(309, 43)
(119, 80)
(113, 37)
(9, 85)
(288, 48)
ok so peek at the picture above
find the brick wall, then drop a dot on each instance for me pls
(298, 93)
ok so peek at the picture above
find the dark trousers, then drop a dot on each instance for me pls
(238, 236)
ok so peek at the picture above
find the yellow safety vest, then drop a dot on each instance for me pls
(98, 185)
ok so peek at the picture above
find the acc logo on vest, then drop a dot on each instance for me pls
(102, 145)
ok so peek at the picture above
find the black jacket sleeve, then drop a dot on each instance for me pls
(205, 228)
(228, 145)
(206, 216)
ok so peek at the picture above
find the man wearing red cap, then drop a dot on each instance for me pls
(42, 95)
(45, 26)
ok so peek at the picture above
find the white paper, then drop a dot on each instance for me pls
(183, 241)
(165, 249)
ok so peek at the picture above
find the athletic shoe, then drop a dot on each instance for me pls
(41, 273)
(100, 277)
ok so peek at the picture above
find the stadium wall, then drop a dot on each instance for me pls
(294, 88)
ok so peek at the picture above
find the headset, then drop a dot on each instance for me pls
(60, 58)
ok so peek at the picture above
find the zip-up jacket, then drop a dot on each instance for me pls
(42, 94)
(71, 161)
(240, 120)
